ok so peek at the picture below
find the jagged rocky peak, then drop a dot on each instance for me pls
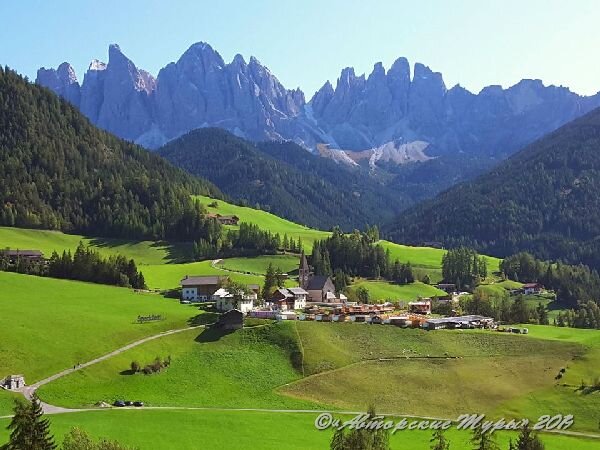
(424, 75)
(201, 55)
(121, 66)
(238, 61)
(321, 98)
(96, 65)
(62, 80)
(356, 113)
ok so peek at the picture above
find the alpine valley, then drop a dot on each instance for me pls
(403, 126)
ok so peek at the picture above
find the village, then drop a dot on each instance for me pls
(315, 299)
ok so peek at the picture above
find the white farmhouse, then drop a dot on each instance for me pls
(226, 301)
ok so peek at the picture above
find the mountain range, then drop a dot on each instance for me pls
(398, 116)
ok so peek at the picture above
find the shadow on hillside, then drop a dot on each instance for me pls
(212, 334)
(203, 319)
(176, 252)
(127, 372)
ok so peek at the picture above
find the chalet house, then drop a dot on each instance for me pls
(225, 220)
(226, 301)
(200, 288)
(532, 288)
(14, 255)
(290, 298)
(13, 382)
(420, 307)
(231, 320)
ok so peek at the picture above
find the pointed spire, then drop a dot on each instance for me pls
(303, 261)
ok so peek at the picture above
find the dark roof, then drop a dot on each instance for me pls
(317, 282)
(201, 280)
(531, 285)
(297, 291)
(283, 291)
(30, 253)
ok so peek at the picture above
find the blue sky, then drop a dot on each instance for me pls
(304, 43)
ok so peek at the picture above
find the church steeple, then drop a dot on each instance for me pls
(303, 271)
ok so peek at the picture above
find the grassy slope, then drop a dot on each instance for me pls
(258, 264)
(48, 325)
(7, 401)
(167, 276)
(426, 257)
(566, 397)
(238, 370)
(498, 373)
(267, 221)
(382, 290)
(245, 429)
(144, 252)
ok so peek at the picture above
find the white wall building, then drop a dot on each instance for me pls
(225, 301)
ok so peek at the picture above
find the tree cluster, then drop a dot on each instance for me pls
(503, 308)
(464, 267)
(587, 316)
(572, 284)
(274, 279)
(249, 240)
(154, 367)
(86, 264)
(358, 254)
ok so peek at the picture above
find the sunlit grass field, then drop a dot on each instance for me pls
(47, 325)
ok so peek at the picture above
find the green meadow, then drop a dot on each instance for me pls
(144, 252)
(427, 257)
(448, 372)
(382, 290)
(48, 325)
(168, 276)
(266, 220)
(7, 400)
(258, 264)
(208, 368)
(241, 430)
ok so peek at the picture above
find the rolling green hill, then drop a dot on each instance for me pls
(545, 200)
(265, 220)
(49, 325)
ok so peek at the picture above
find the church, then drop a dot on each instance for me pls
(320, 288)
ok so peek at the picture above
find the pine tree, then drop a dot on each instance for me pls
(29, 431)
(439, 441)
(528, 440)
(270, 282)
(483, 441)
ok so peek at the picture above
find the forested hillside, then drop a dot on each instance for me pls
(60, 172)
(545, 200)
(285, 179)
